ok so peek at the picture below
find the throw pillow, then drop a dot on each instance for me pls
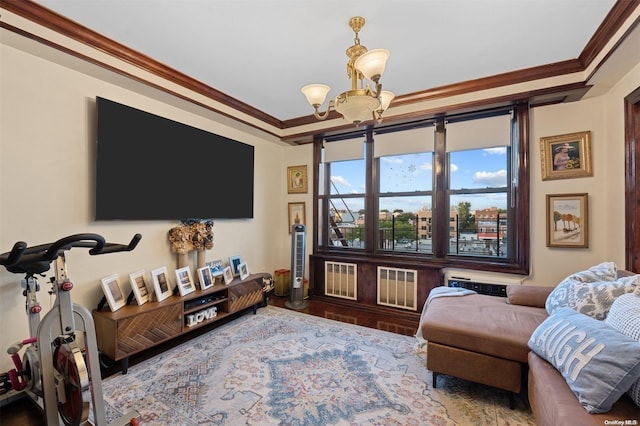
(624, 316)
(598, 363)
(606, 271)
(590, 298)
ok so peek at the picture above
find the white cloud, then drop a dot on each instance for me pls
(339, 180)
(392, 160)
(453, 167)
(426, 166)
(496, 151)
(493, 179)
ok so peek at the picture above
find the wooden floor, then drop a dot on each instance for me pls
(23, 412)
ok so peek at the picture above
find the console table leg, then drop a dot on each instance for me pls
(124, 365)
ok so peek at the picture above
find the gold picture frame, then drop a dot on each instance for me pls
(568, 220)
(297, 181)
(297, 214)
(566, 156)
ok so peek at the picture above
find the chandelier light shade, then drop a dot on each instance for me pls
(372, 64)
(361, 103)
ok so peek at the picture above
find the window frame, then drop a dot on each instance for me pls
(518, 260)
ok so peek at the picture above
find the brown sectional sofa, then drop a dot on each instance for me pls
(484, 339)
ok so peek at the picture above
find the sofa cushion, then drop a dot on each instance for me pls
(592, 298)
(624, 316)
(528, 295)
(482, 323)
(597, 362)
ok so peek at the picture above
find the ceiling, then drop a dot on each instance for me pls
(262, 52)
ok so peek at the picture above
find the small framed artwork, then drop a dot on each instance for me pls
(113, 292)
(297, 214)
(185, 281)
(568, 220)
(228, 275)
(234, 261)
(244, 270)
(205, 278)
(139, 287)
(161, 284)
(297, 179)
(216, 267)
(566, 156)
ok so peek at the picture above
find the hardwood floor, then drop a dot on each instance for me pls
(23, 412)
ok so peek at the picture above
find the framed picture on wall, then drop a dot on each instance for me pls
(567, 220)
(566, 156)
(113, 292)
(297, 214)
(139, 287)
(297, 181)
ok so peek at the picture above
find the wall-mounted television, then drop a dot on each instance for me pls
(152, 168)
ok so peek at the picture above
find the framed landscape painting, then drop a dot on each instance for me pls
(567, 220)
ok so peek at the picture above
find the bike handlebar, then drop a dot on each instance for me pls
(21, 256)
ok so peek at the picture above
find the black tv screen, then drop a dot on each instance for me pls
(152, 168)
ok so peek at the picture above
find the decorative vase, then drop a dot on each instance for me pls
(201, 259)
(182, 260)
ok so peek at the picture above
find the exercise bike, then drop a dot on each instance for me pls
(60, 363)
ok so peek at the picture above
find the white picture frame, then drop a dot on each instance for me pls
(243, 269)
(139, 286)
(184, 281)
(228, 275)
(216, 267)
(234, 261)
(116, 298)
(205, 278)
(161, 283)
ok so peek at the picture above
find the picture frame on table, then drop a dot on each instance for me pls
(216, 267)
(113, 292)
(297, 214)
(297, 181)
(228, 275)
(161, 283)
(243, 269)
(234, 262)
(566, 156)
(184, 281)
(139, 286)
(205, 278)
(567, 220)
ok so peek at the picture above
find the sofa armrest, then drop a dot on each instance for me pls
(528, 295)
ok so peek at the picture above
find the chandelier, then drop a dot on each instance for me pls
(360, 103)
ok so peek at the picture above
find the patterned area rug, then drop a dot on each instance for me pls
(281, 367)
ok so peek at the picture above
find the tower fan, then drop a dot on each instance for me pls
(296, 299)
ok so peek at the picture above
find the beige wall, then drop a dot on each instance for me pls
(604, 116)
(47, 122)
(47, 128)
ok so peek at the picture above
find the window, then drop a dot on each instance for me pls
(479, 155)
(448, 190)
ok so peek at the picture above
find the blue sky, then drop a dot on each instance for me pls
(413, 172)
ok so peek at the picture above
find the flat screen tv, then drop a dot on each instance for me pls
(152, 168)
